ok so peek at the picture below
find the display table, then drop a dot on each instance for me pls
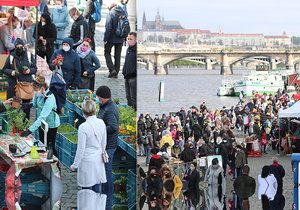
(19, 163)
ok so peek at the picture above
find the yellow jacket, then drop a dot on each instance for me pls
(178, 186)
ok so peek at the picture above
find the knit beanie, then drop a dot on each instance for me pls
(103, 92)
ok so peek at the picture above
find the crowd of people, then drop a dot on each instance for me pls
(71, 54)
(200, 132)
(51, 39)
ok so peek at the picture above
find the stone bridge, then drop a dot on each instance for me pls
(160, 59)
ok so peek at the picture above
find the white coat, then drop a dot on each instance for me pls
(88, 159)
(267, 186)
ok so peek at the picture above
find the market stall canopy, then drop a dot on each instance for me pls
(292, 112)
(19, 3)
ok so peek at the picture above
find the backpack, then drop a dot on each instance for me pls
(123, 27)
(58, 88)
(97, 11)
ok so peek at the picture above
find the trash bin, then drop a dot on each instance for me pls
(296, 170)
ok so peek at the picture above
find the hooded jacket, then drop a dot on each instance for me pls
(47, 31)
(111, 25)
(6, 43)
(129, 68)
(60, 17)
(71, 67)
(20, 61)
(79, 30)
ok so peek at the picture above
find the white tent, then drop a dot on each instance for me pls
(291, 112)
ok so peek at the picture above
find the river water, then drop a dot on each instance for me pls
(183, 88)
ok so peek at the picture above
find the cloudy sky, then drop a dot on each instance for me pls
(270, 17)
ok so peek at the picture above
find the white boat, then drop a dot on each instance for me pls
(261, 83)
(226, 89)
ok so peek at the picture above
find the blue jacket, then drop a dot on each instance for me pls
(71, 67)
(90, 63)
(109, 113)
(111, 26)
(60, 17)
(45, 111)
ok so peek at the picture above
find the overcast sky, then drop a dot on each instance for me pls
(270, 17)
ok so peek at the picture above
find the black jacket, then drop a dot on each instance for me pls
(129, 68)
(188, 155)
(20, 63)
(244, 186)
(76, 31)
(111, 25)
(48, 32)
(109, 113)
(279, 173)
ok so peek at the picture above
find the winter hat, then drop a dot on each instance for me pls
(69, 41)
(103, 92)
(19, 42)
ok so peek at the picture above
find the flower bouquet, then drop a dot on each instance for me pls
(57, 62)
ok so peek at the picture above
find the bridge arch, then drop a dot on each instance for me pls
(236, 60)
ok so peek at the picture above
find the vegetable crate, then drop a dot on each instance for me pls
(129, 148)
(119, 207)
(34, 199)
(131, 189)
(65, 158)
(63, 142)
(122, 160)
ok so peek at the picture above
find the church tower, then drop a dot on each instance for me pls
(144, 26)
(158, 24)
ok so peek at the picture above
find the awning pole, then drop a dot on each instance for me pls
(36, 31)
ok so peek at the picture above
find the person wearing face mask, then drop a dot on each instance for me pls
(80, 28)
(19, 66)
(92, 139)
(129, 70)
(45, 103)
(60, 17)
(46, 37)
(6, 34)
(89, 64)
(70, 67)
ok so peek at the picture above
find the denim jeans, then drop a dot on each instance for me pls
(108, 187)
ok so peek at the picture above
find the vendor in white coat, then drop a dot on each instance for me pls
(91, 145)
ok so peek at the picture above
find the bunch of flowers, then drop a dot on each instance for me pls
(58, 61)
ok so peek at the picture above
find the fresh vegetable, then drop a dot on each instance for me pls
(66, 128)
(72, 138)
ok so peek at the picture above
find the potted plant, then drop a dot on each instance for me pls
(120, 184)
(16, 103)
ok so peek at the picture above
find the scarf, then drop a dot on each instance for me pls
(82, 54)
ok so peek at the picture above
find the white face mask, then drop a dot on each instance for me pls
(66, 48)
(43, 23)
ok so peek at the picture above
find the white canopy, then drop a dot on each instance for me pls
(291, 112)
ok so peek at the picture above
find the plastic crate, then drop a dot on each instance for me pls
(36, 188)
(5, 126)
(67, 145)
(65, 158)
(69, 105)
(71, 116)
(33, 200)
(64, 118)
(119, 207)
(131, 188)
(129, 148)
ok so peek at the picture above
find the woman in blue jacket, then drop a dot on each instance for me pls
(89, 64)
(60, 17)
(45, 103)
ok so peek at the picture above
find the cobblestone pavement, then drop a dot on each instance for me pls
(255, 165)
